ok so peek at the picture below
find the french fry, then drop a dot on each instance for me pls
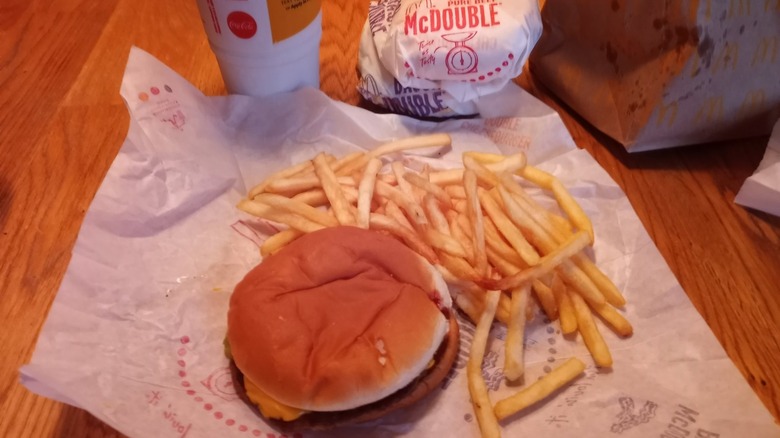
(294, 206)
(444, 242)
(494, 241)
(435, 216)
(549, 182)
(290, 219)
(297, 184)
(590, 332)
(394, 211)
(366, 191)
(530, 229)
(603, 283)
(539, 390)
(278, 241)
(476, 220)
(617, 322)
(313, 197)
(508, 165)
(459, 267)
(415, 242)
(546, 237)
(488, 424)
(344, 165)
(559, 233)
(285, 173)
(546, 264)
(572, 208)
(418, 142)
(508, 230)
(428, 187)
(581, 283)
(389, 178)
(332, 188)
(485, 176)
(398, 170)
(406, 202)
(513, 364)
(566, 315)
(446, 177)
(546, 299)
(455, 191)
(317, 197)
(462, 236)
(469, 306)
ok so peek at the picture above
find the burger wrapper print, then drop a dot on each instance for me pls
(135, 333)
(437, 58)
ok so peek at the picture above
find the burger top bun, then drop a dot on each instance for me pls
(339, 318)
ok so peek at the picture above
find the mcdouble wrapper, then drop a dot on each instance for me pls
(435, 58)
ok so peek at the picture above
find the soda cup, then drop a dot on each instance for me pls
(264, 46)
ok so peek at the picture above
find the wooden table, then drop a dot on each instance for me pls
(62, 122)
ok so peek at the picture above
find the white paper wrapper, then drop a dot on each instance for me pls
(145, 296)
(762, 190)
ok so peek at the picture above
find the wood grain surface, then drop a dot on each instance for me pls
(62, 122)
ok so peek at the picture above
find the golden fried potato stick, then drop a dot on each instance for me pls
(332, 188)
(546, 265)
(284, 173)
(428, 187)
(406, 202)
(443, 242)
(446, 177)
(461, 235)
(522, 205)
(343, 166)
(297, 207)
(459, 267)
(546, 299)
(416, 142)
(508, 230)
(278, 241)
(394, 211)
(514, 366)
(290, 219)
(455, 191)
(412, 240)
(549, 182)
(493, 240)
(366, 191)
(568, 319)
(469, 306)
(539, 390)
(590, 332)
(484, 176)
(476, 220)
(435, 216)
(317, 197)
(617, 322)
(297, 184)
(402, 184)
(488, 424)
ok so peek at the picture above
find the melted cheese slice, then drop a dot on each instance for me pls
(268, 406)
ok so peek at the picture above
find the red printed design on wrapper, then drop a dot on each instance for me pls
(219, 384)
(242, 24)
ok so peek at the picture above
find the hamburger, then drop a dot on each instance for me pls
(343, 325)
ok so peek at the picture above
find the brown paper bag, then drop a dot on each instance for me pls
(661, 73)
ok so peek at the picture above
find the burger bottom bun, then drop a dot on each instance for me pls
(420, 387)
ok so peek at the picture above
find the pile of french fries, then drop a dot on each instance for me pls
(502, 253)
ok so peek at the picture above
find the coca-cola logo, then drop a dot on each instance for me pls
(242, 24)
